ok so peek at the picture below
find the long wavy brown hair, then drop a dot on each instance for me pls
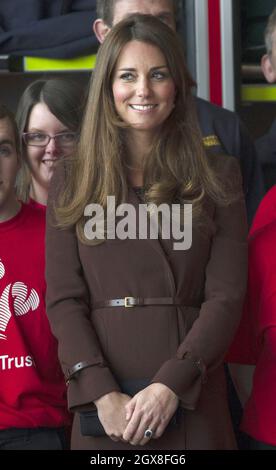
(175, 167)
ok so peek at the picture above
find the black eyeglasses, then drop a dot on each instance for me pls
(38, 139)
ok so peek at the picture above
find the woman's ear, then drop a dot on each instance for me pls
(100, 29)
(268, 69)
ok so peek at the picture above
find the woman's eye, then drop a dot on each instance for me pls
(159, 75)
(66, 138)
(37, 137)
(127, 76)
(5, 151)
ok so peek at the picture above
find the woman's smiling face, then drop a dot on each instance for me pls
(42, 160)
(143, 89)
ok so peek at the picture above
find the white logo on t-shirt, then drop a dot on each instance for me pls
(10, 363)
(23, 301)
(2, 270)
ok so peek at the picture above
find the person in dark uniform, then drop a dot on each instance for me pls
(222, 130)
(266, 145)
(25, 31)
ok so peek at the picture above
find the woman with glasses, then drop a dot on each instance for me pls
(48, 116)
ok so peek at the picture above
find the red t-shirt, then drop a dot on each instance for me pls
(37, 205)
(255, 341)
(32, 388)
(266, 212)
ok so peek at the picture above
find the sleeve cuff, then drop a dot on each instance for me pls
(91, 384)
(185, 377)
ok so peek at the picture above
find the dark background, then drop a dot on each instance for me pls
(27, 16)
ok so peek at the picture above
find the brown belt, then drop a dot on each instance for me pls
(128, 302)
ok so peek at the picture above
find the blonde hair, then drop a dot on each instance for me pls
(176, 165)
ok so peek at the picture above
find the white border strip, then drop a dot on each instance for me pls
(202, 49)
(227, 45)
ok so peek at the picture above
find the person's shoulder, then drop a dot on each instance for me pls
(267, 142)
(223, 163)
(262, 258)
(214, 111)
(33, 214)
(263, 239)
(270, 198)
(266, 212)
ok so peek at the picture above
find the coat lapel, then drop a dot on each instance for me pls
(163, 248)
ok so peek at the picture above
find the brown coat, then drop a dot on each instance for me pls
(151, 341)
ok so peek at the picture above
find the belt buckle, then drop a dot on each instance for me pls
(127, 302)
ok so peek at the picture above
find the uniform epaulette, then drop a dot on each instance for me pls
(211, 141)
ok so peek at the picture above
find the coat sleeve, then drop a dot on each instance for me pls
(68, 309)
(205, 345)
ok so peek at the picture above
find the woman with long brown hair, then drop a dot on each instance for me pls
(143, 324)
